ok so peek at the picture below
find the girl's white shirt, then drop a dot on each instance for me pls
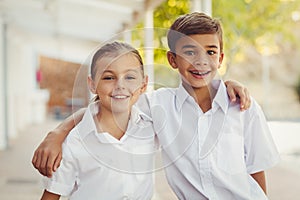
(99, 166)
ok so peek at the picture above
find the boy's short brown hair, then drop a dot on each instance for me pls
(191, 24)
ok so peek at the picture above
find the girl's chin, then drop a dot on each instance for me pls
(121, 108)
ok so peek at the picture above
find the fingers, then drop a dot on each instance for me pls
(37, 161)
(245, 100)
(236, 89)
(34, 159)
(232, 95)
(57, 161)
(43, 162)
(49, 165)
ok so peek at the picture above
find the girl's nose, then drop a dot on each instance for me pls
(120, 84)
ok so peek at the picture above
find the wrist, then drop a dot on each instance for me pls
(57, 134)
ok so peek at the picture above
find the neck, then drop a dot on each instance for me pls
(113, 123)
(203, 95)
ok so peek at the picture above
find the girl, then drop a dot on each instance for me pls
(108, 154)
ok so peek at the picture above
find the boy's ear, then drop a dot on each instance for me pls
(221, 59)
(91, 85)
(171, 58)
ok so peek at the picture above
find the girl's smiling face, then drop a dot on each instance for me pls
(118, 82)
(197, 58)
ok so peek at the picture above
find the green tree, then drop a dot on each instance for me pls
(258, 23)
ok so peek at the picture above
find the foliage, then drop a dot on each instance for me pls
(164, 16)
(258, 23)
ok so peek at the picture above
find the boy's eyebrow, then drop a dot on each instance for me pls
(194, 46)
(188, 46)
(212, 46)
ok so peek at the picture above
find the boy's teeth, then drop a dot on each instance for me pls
(198, 73)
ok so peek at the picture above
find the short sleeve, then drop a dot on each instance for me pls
(260, 150)
(63, 181)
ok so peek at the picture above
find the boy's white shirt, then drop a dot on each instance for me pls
(98, 166)
(210, 155)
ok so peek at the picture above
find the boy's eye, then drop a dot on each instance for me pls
(189, 53)
(211, 52)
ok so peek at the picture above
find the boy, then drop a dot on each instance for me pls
(213, 151)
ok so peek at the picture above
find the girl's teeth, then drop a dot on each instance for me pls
(119, 97)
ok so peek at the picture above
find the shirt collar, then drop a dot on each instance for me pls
(88, 126)
(221, 99)
(181, 96)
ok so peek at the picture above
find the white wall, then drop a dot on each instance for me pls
(2, 93)
(24, 98)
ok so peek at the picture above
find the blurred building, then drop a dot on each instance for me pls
(35, 34)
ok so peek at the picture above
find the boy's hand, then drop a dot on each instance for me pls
(48, 155)
(236, 89)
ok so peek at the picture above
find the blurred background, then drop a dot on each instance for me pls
(46, 44)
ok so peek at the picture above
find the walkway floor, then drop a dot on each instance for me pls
(20, 181)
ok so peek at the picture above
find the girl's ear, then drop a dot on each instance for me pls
(171, 58)
(91, 85)
(144, 84)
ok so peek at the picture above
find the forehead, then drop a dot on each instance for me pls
(119, 63)
(198, 40)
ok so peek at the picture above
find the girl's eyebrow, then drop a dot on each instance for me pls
(129, 70)
(133, 70)
(107, 70)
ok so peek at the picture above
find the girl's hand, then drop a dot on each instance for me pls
(236, 89)
(48, 155)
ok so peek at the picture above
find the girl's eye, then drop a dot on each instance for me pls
(108, 78)
(211, 52)
(130, 77)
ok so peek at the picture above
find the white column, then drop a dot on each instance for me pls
(202, 6)
(21, 81)
(149, 48)
(127, 35)
(3, 87)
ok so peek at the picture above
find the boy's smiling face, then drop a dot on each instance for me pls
(197, 58)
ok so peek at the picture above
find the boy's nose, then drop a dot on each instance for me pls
(201, 60)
